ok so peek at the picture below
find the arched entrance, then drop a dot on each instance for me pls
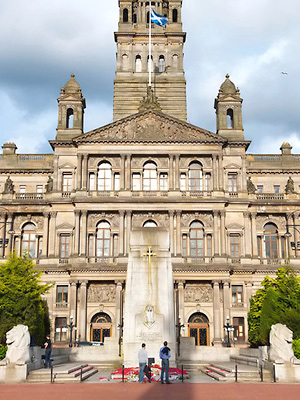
(199, 329)
(100, 327)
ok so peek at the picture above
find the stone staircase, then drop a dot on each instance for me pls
(62, 374)
(228, 373)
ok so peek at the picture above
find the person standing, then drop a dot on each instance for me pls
(143, 360)
(164, 355)
(48, 347)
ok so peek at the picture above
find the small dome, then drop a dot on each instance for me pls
(72, 86)
(228, 87)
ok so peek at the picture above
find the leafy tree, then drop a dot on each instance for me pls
(21, 298)
(278, 301)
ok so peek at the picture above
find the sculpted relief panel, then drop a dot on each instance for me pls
(101, 293)
(198, 293)
(162, 220)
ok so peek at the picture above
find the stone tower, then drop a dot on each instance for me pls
(71, 105)
(228, 107)
(132, 38)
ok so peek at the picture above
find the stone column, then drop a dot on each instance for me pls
(254, 235)
(216, 233)
(223, 235)
(123, 170)
(296, 234)
(76, 233)
(247, 236)
(128, 172)
(73, 300)
(79, 171)
(56, 186)
(217, 311)
(83, 310)
(221, 174)
(177, 173)
(128, 229)
(171, 172)
(181, 301)
(171, 217)
(2, 233)
(45, 235)
(119, 306)
(248, 294)
(121, 232)
(52, 234)
(215, 175)
(226, 300)
(83, 236)
(84, 172)
(178, 233)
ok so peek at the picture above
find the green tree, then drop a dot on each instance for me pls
(21, 298)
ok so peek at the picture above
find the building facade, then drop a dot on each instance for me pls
(227, 211)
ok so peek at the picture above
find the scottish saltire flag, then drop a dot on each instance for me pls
(157, 19)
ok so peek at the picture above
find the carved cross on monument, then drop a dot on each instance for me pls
(149, 255)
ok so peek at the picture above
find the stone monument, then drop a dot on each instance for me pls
(149, 302)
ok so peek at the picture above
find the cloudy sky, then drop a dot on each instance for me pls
(42, 43)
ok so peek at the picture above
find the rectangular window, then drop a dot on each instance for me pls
(276, 188)
(232, 182)
(136, 181)
(92, 181)
(234, 245)
(39, 191)
(260, 188)
(163, 181)
(237, 294)
(283, 254)
(184, 245)
(207, 182)
(183, 182)
(115, 245)
(117, 181)
(61, 329)
(239, 330)
(209, 244)
(91, 245)
(64, 246)
(62, 294)
(259, 249)
(40, 246)
(67, 182)
(22, 191)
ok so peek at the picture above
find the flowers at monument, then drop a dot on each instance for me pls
(131, 374)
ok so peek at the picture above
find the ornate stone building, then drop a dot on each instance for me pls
(227, 211)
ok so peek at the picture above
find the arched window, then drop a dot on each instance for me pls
(134, 18)
(175, 61)
(125, 62)
(29, 240)
(230, 118)
(70, 118)
(150, 176)
(195, 176)
(100, 327)
(103, 239)
(161, 64)
(125, 15)
(197, 239)
(175, 15)
(150, 64)
(271, 241)
(138, 64)
(104, 176)
(150, 224)
(199, 329)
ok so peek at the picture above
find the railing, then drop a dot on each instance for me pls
(66, 195)
(270, 196)
(267, 158)
(32, 157)
(62, 304)
(196, 193)
(63, 260)
(29, 196)
(233, 194)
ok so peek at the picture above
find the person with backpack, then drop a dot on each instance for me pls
(164, 355)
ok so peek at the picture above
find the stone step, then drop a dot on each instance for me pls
(245, 360)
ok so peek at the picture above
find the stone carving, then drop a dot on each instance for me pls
(49, 185)
(289, 187)
(281, 339)
(151, 126)
(150, 101)
(162, 220)
(18, 341)
(149, 316)
(250, 186)
(112, 218)
(101, 293)
(187, 218)
(21, 219)
(9, 187)
(198, 293)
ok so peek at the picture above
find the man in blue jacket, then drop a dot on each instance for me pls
(165, 354)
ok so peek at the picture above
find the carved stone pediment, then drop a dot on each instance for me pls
(101, 293)
(198, 293)
(149, 126)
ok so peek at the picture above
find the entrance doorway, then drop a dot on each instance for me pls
(199, 329)
(100, 327)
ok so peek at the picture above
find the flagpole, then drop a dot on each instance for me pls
(150, 53)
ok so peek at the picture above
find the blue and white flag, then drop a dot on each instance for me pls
(157, 19)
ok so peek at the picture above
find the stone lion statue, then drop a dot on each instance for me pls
(281, 339)
(18, 341)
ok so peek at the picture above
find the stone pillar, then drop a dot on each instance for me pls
(73, 300)
(254, 235)
(247, 236)
(123, 170)
(223, 235)
(76, 233)
(84, 172)
(128, 229)
(171, 172)
(79, 171)
(52, 234)
(244, 176)
(121, 232)
(83, 310)
(181, 301)
(215, 176)
(216, 233)
(128, 172)
(177, 173)
(83, 236)
(171, 217)
(45, 235)
(178, 233)
(56, 186)
(3, 229)
(221, 174)
(248, 294)
(296, 234)
(119, 305)
(226, 300)
(217, 312)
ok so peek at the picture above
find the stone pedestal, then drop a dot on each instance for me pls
(13, 373)
(149, 296)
